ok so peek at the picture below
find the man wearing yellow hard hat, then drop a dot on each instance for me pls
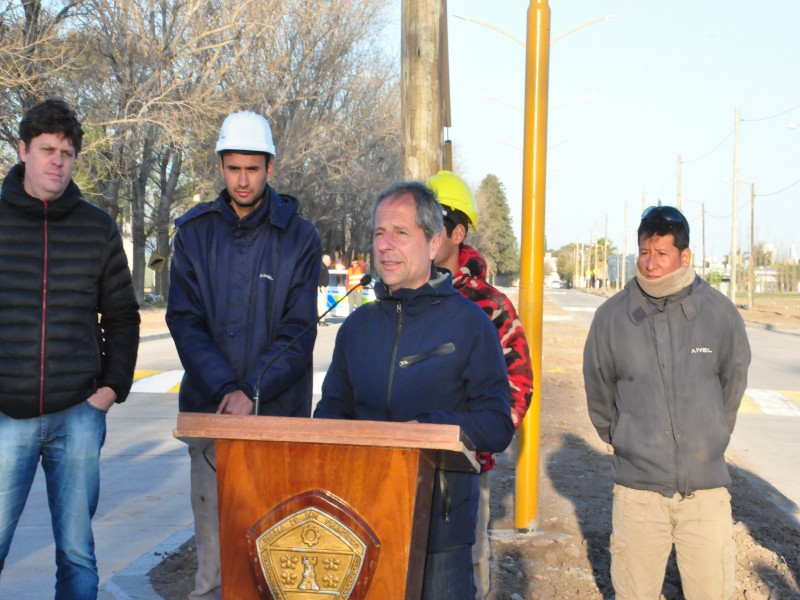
(469, 278)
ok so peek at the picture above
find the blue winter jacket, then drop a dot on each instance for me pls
(240, 290)
(428, 355)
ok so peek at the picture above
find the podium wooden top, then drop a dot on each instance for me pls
(448, 446)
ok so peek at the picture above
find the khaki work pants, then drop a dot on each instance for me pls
(481, 551)
(646, 524)
(207, 582)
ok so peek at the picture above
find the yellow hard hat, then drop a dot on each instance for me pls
(453, 193)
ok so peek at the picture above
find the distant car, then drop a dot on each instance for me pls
(558, 284)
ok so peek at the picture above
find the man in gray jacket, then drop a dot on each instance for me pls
(665, 368)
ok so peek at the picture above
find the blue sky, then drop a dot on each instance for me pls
(627, 96)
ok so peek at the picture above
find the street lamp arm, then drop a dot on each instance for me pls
(490, 26)
(553, 41)
(592, 22)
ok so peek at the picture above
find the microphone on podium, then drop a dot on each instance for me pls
(365, 280)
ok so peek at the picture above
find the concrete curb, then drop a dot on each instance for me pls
(133, 582)
(154, 336)
(772, 327)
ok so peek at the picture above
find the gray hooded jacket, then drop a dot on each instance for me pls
(663, 386)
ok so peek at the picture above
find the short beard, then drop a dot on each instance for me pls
(253, 202)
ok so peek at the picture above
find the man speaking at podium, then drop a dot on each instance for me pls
(424, 353)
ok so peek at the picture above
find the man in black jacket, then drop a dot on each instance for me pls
(61, 368)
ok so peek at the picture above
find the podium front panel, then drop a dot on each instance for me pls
(390, 489)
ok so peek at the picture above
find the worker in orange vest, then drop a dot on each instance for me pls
(354, 274)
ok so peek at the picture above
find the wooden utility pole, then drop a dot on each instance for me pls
(703, 221)
(751, 283)
(735, 209)
(576, 273)
(421, 104)
(625, 246)
(605, 257)
(444, 79)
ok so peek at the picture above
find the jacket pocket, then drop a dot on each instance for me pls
(407, 361)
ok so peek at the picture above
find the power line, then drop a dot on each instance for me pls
(714, 149)
(779, 191)
(663, 187)
(780, 114)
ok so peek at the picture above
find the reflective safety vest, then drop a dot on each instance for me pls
(354, 274)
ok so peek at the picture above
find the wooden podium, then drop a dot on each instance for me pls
(323, 508)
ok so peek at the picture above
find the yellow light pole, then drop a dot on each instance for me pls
(531, 292)
(531, 287)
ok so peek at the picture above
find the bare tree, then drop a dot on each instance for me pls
(153, 82)
(161, 65)
(31, 56)
(332, 98)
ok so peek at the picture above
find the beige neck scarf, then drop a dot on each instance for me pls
(666, 285)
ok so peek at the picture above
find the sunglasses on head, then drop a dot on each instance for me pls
(668, 213)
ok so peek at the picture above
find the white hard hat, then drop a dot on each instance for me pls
(246, 131)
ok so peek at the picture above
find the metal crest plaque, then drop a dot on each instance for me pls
(312, 546)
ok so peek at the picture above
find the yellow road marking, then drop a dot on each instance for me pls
(749, 407)
(793, 395)
(141, 374)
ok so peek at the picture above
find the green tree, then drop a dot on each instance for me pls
(565, 263)
(494, 238)
(764, 256)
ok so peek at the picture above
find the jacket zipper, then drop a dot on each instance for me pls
(447, 348)
(395, 347)
(44, 313)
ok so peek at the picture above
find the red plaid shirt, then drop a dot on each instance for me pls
(470, 281)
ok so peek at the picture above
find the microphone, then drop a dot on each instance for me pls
(365, 280)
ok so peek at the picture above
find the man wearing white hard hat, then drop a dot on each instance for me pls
(243, 286)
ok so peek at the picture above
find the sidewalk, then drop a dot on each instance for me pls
(144, 509)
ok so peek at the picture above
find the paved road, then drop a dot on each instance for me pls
(766, 440)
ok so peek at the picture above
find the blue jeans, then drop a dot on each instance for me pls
(449, 575)
(68, 443)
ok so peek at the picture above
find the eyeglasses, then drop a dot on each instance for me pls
(668, 213)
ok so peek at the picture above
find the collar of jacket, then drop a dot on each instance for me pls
(471, 263)
(13, 192)
(639, 308)
(277, 208)
(437, 287)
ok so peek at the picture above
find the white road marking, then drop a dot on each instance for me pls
(774, 403)
(159, 383)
